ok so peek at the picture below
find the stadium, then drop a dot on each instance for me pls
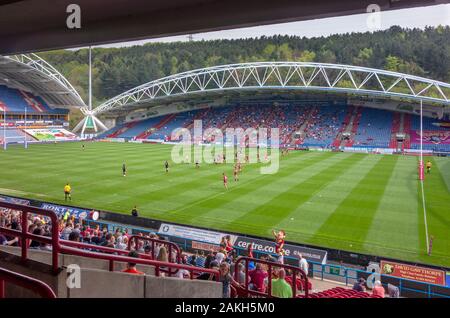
(360, 190)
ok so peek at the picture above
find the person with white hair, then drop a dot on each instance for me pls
(120, 243)
(378, 289)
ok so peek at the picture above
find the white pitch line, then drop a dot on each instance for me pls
(425, 217)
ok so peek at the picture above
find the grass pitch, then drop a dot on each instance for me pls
(356, 202)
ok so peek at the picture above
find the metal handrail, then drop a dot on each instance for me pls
(25, 236)
(270, 265)
(24, 281)
(76, 248)
(171, 246)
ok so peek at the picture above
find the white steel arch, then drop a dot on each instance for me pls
(286, 75)
(34, 61)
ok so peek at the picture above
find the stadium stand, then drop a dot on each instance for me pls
(308, 126)
(429, 125)
(14, 135)
(15, 101)
(374, 129)
(340, 292)
(155, 257)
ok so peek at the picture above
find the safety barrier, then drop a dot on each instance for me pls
(24, 236)
(296, 272)
(350, 275)
(24, 281)
(153, 242)
(82, 249)
(341, 273)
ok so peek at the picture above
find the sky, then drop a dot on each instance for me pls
(411, 18)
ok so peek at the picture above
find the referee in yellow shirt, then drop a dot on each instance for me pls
(67, 190)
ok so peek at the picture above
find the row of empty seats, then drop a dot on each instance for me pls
(340, 292)
(17, 101)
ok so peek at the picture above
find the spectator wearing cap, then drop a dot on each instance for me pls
(131, 267)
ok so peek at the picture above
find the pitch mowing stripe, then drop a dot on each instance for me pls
(395, 220)
(197, 183)
(347, 227)
(309, 216)
(254, 193)
(195, 179)
(240, 190)
(307, 182)
(443, 165)
(215, 187)
(437, 205)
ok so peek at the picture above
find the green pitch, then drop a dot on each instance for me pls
(356, 202)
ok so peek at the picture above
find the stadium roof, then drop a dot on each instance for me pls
(30, 73)
(280, 76)
(38, 25)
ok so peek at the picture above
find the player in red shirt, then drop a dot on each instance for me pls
(225, 181)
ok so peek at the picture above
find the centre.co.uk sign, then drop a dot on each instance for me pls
(200, 237)
(310, 254)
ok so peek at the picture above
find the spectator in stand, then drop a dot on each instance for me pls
(303, 264)
(36, 231)
(209, 258)
(393, 291)
(359, 285)
(226, 279)
(220, 256)
(87, 238)
(378, 289)
(121, 245)
(208, 276)
(77, 228)
(97, 238)
(4, 240)
(281, 288)
(131, 267)
(162, 255)
(257, 277)
(66, 231)
(183, 273)
(109, 240)
(74, 236)
(193, 260)
(241, 273)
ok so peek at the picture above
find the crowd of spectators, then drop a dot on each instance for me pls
(222, 259)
